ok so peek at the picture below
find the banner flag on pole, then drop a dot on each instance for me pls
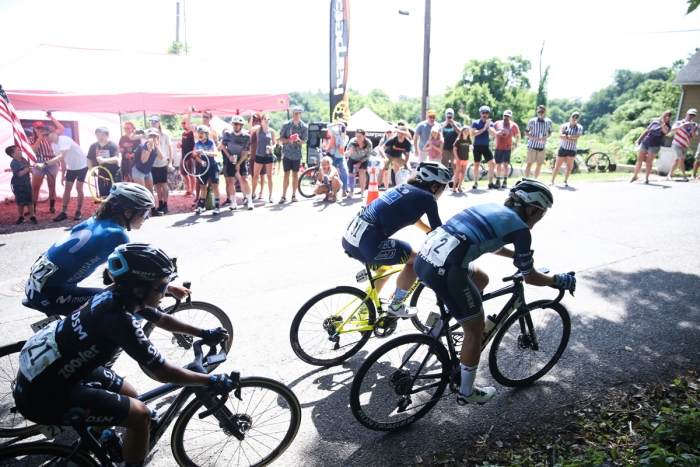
(340, 38)
(7, 112)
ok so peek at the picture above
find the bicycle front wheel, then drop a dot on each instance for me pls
(425, 301)
(176, 349)
(470, 172)
(318, 335)
(12, 423)
(269, 415)
(598, 162)
(529, 344)
(307, 182)
(42, 454)
(384, 395)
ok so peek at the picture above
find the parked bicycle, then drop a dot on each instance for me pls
(403, 379)
(335, 324)
(308, 180)
(174, 347)
(484, 171)
(253, 428)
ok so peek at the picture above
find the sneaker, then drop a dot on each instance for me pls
(78, 216)
(155, 213)
(479, 396)
(226, 203)
(566, 183)
(61, 217)
(232, 207)
(668, 178)
(215, 212)
(20, 220)
(52, 210)
(245, 201)
(504, 184)
(33, 220)
(498, 183)
(199, 210)
(475, 186)
(165, 210)
(551, 183)
(491, 186)
(401, 311)
(685, 179)
(250, 206)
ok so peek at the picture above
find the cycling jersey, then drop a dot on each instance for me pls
(400, 207)
(67, 351)
(53, 278)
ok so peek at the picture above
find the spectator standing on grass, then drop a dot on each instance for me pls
(127, 147)
(569, 133)
(293, 135)
(236, 147)
(422, 135)
(145, 155)
(507, 139)
(75, 167)
(650, 141)
(267, 137)
(461, 150)
(538, 130)
(686, 130)
(481, 129)
(21, 183)
(161, 167)
(187, 146)
(44, 153)
(337, 140)
(106, 154)
(450, 132)
(358, 151)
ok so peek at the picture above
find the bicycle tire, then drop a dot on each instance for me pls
(470, 172)
(307, 183)
(598, 162)
(257, 393)
(425, 307)
(193, 164)
(12, 424)
(93, 180)
(380, 383)
(42, 453)
(168, 345)
(319, 323)
(510, 346)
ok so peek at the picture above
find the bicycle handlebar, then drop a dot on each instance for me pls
(518, 277)
(198, 366)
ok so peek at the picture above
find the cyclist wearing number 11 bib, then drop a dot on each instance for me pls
(444, 264)
(367, 237)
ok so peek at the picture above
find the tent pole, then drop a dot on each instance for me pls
(121, 125)
(144, 120)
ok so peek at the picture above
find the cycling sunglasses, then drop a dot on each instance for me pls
(161, 289)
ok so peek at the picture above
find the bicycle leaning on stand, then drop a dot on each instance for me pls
(403, 379)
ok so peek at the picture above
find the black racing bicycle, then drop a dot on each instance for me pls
(251, 428)
(403, 379)
(174, 347)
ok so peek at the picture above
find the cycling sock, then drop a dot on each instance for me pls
(216, 203)
(250, 199)
(201, 202)
(399, 295)
(64, 209)
(160, 205)
(80, 208)
(468, 377)
(52, 203)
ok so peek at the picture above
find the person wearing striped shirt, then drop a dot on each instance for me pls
(569, 133)
(44, 153)
(685, 130)
(538, 130)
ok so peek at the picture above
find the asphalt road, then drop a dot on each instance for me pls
(635, 314)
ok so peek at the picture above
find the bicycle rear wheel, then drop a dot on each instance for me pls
(307, 182)
(314, 336)
(598, 162)
(383, 395)
(470, 172)
(269, 415)
(176, 349)
(425, 300)
(43, 454)
(12, 423)
(529, 344)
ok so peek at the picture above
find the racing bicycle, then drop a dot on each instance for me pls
(335, 324)
(405, 378)
(174, 347)
(251, 428)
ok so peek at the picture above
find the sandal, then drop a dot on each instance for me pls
(294, 199)
(334, 199)
(282, 200)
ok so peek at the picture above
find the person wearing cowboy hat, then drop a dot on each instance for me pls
(335, 147)
(395, 151)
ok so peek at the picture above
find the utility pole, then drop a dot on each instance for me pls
(426, 62)
(177, 22)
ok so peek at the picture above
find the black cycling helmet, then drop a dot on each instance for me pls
(127, 195)
(433, 172)
(533, 193)
(135, 264)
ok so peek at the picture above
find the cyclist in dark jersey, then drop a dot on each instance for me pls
(62, 379)
(367, 237)
(444, 264)
(52, 287)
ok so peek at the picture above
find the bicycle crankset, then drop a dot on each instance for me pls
(385, 326)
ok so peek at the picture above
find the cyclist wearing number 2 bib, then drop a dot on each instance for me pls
(445, 259)
(62, 379)
(367, 237)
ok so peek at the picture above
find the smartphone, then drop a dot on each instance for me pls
(48, 113)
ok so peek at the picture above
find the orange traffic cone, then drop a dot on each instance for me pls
(373, 192)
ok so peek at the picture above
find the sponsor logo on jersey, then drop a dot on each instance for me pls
(70, 299)
(83, 269)
(81, 235)
(390, 196)
(386, 254)
(82, 358)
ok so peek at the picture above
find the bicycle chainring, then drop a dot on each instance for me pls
(385, 326)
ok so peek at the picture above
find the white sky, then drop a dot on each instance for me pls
(282, 45)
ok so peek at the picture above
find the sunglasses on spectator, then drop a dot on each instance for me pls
(540, 112)
(431, 117)
(40, 128)
(484, 113)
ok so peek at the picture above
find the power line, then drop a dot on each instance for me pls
(662, 32)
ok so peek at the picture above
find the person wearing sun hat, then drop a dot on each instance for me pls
(422, 135)
(396, 150)
(686, 130)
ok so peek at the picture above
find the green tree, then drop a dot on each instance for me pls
(177, 48)
(692, 5)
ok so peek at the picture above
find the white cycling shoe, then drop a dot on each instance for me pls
(479, 396)
(402, 311)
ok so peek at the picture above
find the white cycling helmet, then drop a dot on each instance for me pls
(237, 119)
(203, 128)
(533, 193)
(127, 195)
(430, 172)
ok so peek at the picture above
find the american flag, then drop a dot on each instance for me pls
(7, 112)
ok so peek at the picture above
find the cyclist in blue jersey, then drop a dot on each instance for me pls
(367, 237)
(52, 287)
(445, 264)
(206, 154)
(62, 379)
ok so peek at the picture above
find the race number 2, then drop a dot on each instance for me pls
(438, 246)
